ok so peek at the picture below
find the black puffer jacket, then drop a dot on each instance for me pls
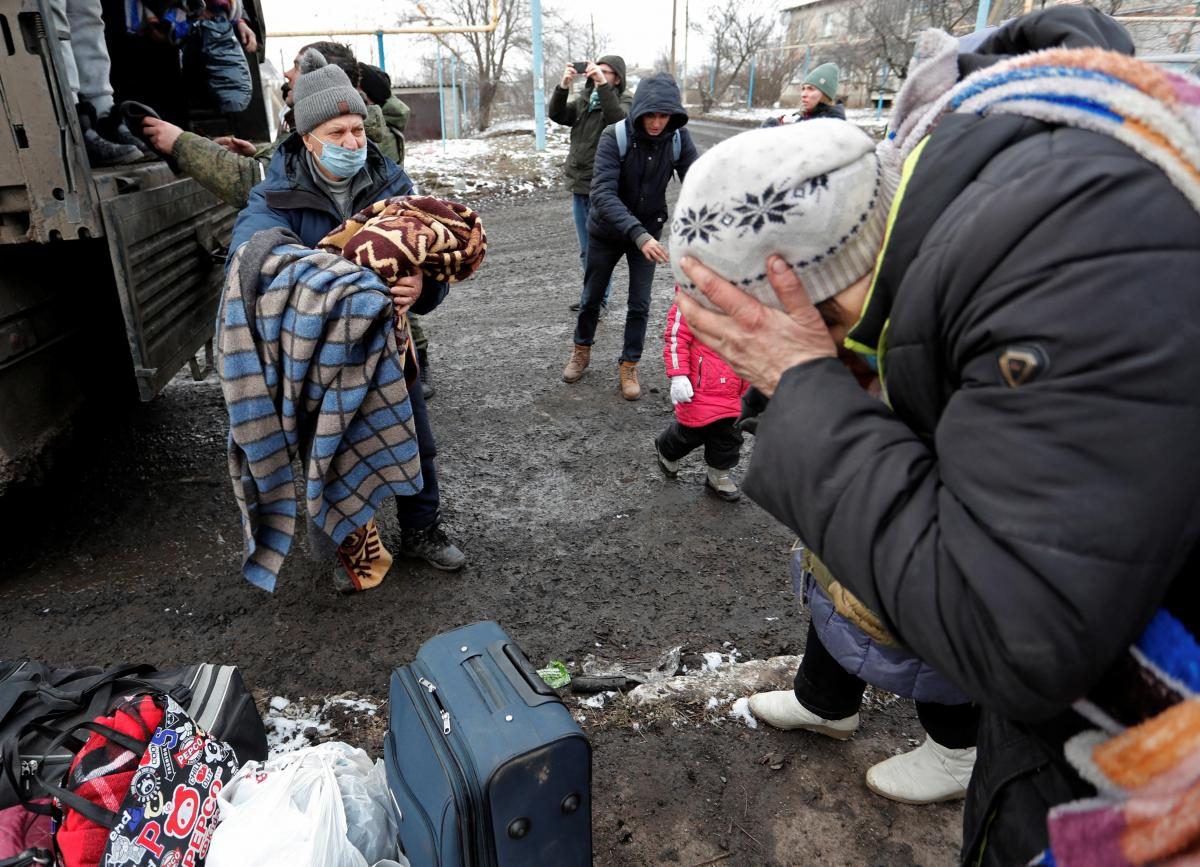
(629, 197)
(587, 123)
(1017, 533)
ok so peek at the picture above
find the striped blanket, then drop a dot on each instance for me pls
(309, 368)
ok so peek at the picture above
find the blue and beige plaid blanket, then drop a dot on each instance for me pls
(309, 368)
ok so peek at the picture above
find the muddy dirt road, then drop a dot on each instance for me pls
(577, 545)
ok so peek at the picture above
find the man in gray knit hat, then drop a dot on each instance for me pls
(323, 173)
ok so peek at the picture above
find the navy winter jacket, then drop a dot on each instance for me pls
(629, 198)
(290, 198)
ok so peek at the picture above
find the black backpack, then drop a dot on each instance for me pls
(41, 707)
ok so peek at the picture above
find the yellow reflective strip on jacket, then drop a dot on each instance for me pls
(906, 173)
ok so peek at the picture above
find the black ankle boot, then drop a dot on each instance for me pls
(100, 151)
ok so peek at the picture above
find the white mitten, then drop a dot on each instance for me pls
(681, 389)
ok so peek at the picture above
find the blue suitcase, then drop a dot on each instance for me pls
(485, 764)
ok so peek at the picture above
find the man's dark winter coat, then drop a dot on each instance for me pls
(586, 124)
(629, 197)
(1017, 532)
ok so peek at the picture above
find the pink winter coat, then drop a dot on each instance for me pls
(718, 390)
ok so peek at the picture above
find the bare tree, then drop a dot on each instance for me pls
(887, 30)
(486, 55)
(774, 69)
(738, 31)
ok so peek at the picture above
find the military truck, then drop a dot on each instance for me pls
(109, 278)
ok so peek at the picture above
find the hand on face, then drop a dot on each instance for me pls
(759, 342)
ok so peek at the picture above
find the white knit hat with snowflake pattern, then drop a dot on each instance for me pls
(813, 192)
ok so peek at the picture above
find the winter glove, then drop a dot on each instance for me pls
(681, 389)
(754, 404)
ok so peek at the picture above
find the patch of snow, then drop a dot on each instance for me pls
(741, 711)
(291, 727)
(713, 661)
(598, 700)
(279, 703)
(713, 703)
(361, 705)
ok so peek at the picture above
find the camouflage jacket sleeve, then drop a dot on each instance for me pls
(396, 113)
(227, 175)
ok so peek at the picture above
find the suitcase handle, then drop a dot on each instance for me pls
(521, 673)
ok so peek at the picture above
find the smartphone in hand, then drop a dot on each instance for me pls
(581, 66)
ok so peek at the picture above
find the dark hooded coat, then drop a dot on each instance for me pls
(629, 196)
(587, 121)
(1017, 534)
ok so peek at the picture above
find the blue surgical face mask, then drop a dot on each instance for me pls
(341, 162)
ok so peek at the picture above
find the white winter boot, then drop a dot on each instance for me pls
(926, 775)
(722, 484)
(782, 710)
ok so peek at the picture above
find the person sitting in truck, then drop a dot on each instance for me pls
(324, 172)
(108, 142)
(228, 166)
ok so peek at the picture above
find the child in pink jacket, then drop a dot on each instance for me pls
(707, 395)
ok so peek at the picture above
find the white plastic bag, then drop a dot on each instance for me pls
(289, 812)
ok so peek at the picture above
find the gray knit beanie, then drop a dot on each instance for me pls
(323, 92)
(814, 193)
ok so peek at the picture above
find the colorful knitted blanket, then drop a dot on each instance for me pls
(1147, 776)
(406, 235)
(1153, 111)
(309, 368)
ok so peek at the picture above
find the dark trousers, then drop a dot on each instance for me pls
(721, 440)
(420, 510)
(829, 691)
(602, 256)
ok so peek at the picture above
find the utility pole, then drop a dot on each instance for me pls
(686, 32)
(539, 73)
(981, 19)
(674, 8)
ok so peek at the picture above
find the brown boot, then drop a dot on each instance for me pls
(630, 389)
(580, 359)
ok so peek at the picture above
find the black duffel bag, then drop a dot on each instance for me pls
(38, 704)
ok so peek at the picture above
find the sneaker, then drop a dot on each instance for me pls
(670, 468)
(722, 484)
(433, 546)
(100, 151)
(782, 710)
(112, 128)
(927, 775)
